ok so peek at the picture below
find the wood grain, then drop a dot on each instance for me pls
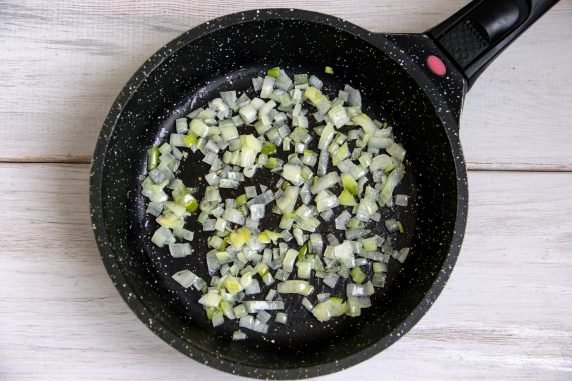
(504, 315)
(63, 63)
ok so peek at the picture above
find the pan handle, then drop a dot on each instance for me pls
(474, 36)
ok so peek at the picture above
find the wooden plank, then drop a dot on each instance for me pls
(505, 313)
(64, 62)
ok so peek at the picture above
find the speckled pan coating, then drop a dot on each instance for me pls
(223, 54)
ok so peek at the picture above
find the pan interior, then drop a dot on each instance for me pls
(226, 59)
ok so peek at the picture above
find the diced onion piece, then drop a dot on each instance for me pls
(396, 151)
(325, 201)
(210, 299)
(313, 94)
(317, 243)
(344, 252)
(379, 267)
(325, 182)
(354, 307)
(378, 280)
(217, 319)
(401, 200)
(349, 183)
(307, 304)
(304, 269)
(402, 254)
(239, 237)
(263, 316)
(246, 322)
(300, 287)
(281, 318)
(181, 125)
(234, 216)
(229, 132)
(252, 288)
(179, 250)
(366, 123)
(326, 137)
(289, 259)
(267, 87)
(333, 307)
(346, 198)
(263, 305)
(340, 154)
(238, 335)
(257, 211)
(292, 173)
(358, 275)
(338, 116)
(342, 219)
(353, 289)
(287, 201)
(162, 237)
(283, 82)
(366, 208)
(248, 114)
(185, 278)
(199, 128)
(323, 296)
(331, 280)
(369, 244)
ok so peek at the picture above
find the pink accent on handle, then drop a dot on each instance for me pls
(436, 65)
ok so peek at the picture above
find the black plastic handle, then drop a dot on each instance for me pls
(474, 36)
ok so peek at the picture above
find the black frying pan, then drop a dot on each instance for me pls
(415, 81)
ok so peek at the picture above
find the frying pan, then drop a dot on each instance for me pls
(417, 82)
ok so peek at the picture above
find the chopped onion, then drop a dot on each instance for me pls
(263, 316)
(378, 280)
(300, 287)
(342, 219)
(401, 200)
(248, 114)
(317, 243)
(238, 335)
(307, 304)
(252, 288)
(392, 180)
(267, 87)
(281, 318)
(292, 173)
(328, 309)
(242, 247)
(391, 225)
(185, 278)
(289, 259)
(326, 137)
(366, 289)
(402, 254)
(179, 250)
(162, 237)
(326, 200)
(260, 305)
(396, 151)
(331, 280)
(287, 202)
(260, 327)
(338, 116)
(199, 128)
(211, 299)
(326, 182)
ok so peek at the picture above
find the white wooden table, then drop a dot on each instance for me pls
(505, 313)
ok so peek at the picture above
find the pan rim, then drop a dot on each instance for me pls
(139, 307)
